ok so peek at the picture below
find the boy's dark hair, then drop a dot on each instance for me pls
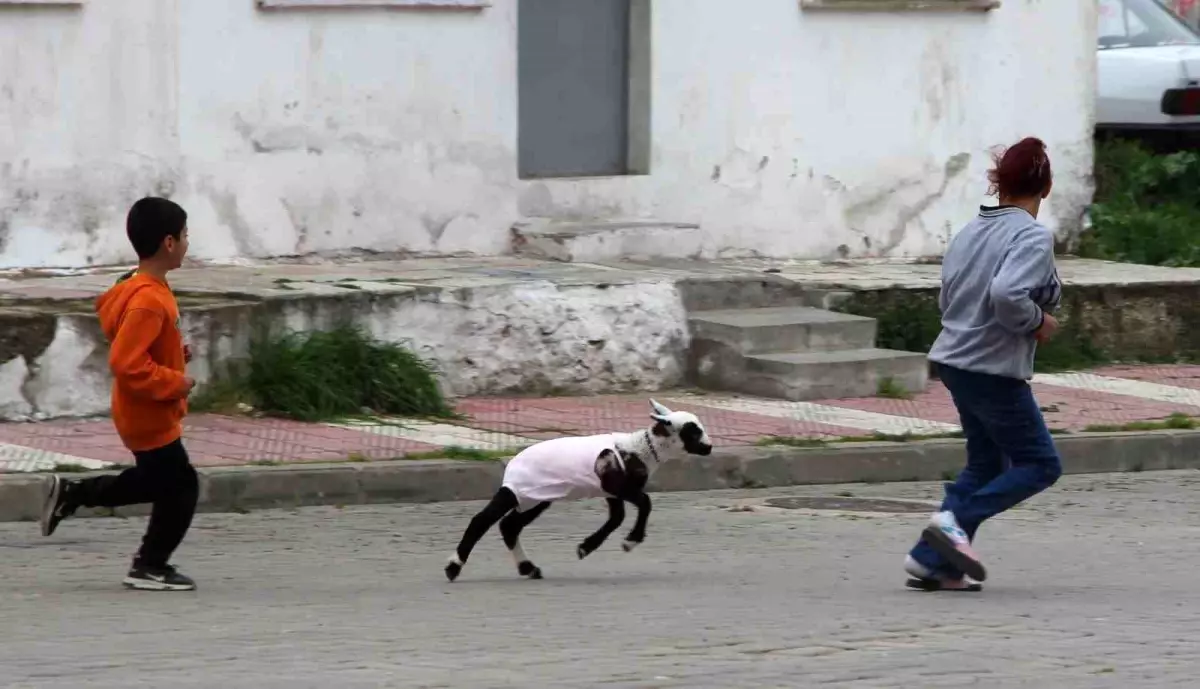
(150, 221)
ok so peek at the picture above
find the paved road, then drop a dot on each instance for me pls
(1094, 585)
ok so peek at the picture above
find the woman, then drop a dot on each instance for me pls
(999, 289)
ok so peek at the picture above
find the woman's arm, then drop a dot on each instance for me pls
(1027, 267)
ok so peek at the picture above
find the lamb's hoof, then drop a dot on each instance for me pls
(582, 552)
(628, 546)
(528, 569)
(453, 569)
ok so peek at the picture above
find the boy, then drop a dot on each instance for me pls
(140, 319)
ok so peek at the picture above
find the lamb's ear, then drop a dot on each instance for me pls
(660, 413)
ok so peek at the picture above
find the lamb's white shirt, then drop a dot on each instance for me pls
(558, 469)
(565, 468)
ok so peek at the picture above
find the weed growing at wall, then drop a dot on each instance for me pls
(325, 375)
(1070, 350)
(909, 320)
(1147, 206)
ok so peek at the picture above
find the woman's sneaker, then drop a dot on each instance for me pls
(952, 543)
(924, 579)
(915, 569)
(165, 578)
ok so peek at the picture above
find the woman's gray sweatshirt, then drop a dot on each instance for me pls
(998, 279)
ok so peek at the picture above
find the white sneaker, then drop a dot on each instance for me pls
(915, 569)
(952, 543)
(925, 579)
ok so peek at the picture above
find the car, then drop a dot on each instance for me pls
(1148, 74)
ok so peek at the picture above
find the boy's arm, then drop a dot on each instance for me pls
(129, 359)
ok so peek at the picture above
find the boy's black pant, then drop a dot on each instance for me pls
(163, 476)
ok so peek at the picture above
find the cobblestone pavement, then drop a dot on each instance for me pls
(1093, 585)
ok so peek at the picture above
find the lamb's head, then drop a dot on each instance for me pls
(680, 426)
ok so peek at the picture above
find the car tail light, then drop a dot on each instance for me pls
(1181, 102)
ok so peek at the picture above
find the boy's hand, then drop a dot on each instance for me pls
(189, 383)
(187, 354)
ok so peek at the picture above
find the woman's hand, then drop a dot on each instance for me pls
(1047, 330)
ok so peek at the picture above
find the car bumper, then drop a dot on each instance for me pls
(1169, 136)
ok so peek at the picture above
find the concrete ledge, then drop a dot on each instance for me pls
(901, 5)
(519, 326)
(246, 488)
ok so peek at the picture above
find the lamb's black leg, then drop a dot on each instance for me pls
(502, 503)
(510, 529)
(638, 534)
(616, 515)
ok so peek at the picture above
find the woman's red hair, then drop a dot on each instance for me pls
(1022, 171)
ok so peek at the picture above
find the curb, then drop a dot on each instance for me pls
(238, 489)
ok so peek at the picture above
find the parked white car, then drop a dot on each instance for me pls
(1149, 73)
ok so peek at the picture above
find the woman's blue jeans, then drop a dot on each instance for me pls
(1010, 453)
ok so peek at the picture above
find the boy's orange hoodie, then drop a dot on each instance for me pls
(140, 318)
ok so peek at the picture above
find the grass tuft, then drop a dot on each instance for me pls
(889, 388)
(329, 375)
(455, 452)
(1176, 421)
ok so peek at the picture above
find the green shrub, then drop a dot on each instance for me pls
(1147, 206)
(907, 320)
(910, 321)
(329, 374)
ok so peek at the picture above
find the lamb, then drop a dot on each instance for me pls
(615, 466)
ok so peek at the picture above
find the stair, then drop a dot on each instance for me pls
(587, 242)
(796, 353)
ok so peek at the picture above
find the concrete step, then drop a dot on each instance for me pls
(833, 375)
(811, 375)
(723, 292)
(783, 329)
(587, 242)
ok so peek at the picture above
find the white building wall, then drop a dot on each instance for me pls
(781, 132)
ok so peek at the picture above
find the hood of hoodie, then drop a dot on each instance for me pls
(110, 306)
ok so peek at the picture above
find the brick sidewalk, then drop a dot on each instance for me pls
(1111, 396)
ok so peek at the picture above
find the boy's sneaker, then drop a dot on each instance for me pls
(59, 504)
(951, 542)
(165, 578)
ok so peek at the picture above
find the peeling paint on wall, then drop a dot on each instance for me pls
(780, 133)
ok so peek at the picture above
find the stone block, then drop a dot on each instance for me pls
(21, 497)
(590, 242)
(783, 329)
(724, 291)
(266, 487)
(1141, 451)
(432, 481)
(716, 471)
(807, 375)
